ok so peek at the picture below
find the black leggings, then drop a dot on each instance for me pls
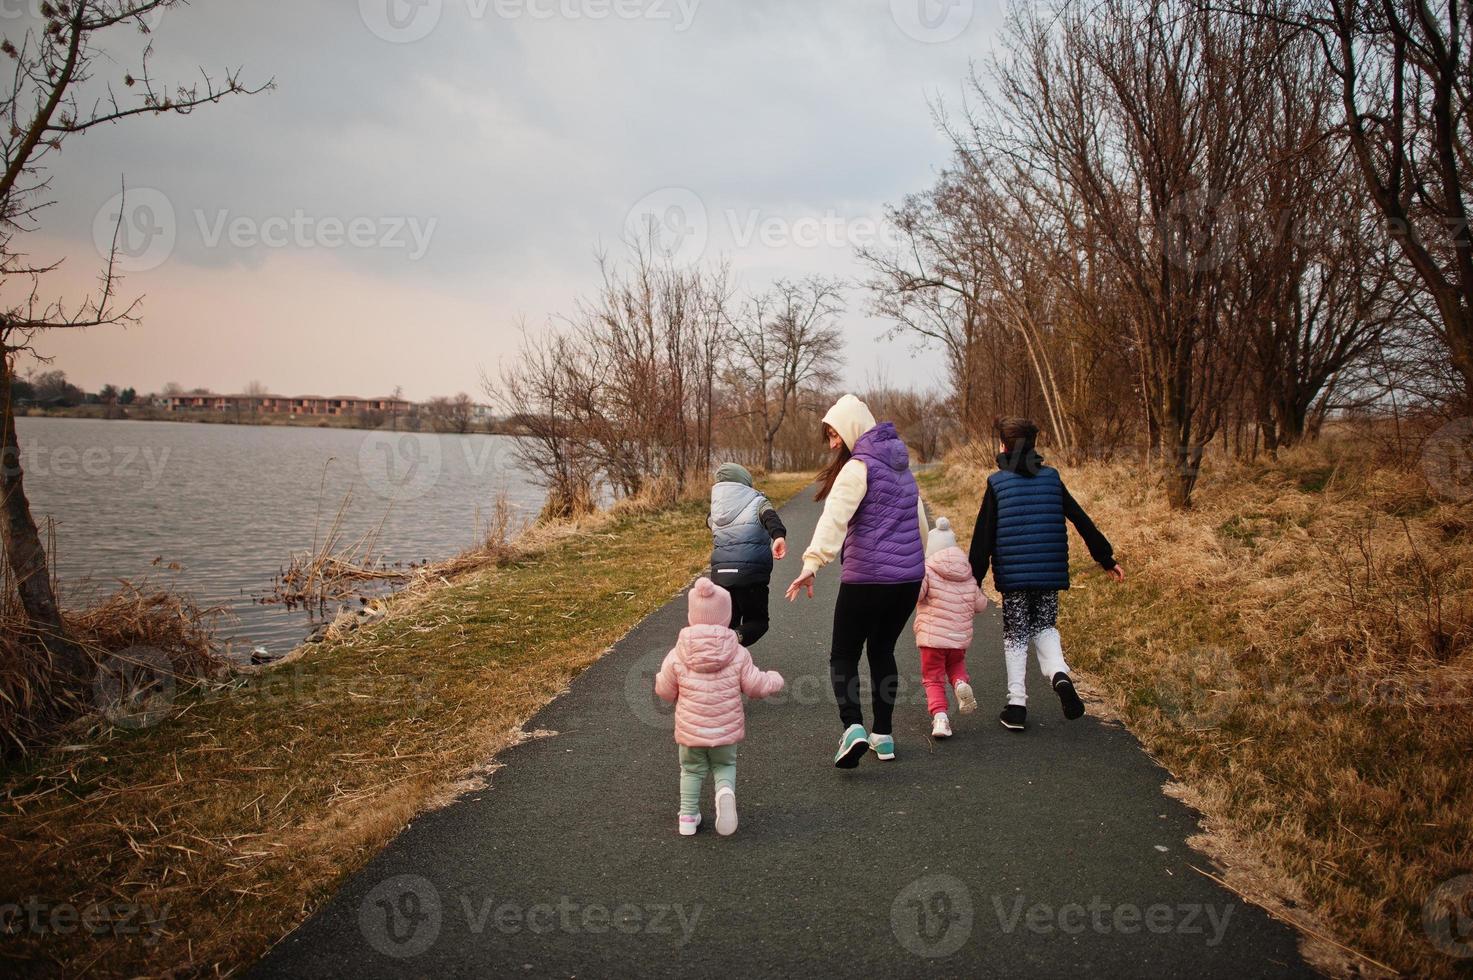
(749, 612)
(869, 616)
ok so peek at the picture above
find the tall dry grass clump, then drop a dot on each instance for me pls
(138, 640)
(1298, 651)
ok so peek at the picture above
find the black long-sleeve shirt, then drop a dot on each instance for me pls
(772, 523)
(984, 536)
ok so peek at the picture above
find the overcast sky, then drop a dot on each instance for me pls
(430, 173)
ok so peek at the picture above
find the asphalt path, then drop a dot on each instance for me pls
(1051, 853)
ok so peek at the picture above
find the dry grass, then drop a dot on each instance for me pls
(140, 637)
(239, 813)
(1296, 651)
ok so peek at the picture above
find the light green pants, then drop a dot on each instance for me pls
(720, 762)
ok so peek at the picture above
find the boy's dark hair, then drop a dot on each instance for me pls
(1015, 432)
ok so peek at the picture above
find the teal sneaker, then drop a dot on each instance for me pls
(884, 747)
(853, 745)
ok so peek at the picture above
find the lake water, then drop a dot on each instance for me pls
(229, 504)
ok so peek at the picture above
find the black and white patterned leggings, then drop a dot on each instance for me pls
(1030, 616)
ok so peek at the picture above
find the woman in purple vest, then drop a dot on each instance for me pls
(874, 523)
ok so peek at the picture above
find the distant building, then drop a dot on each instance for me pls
(282, 405)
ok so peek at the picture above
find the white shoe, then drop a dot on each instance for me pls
(688, 824)
(883, 747)
(966, 701)
(726, 817)
(940, 725)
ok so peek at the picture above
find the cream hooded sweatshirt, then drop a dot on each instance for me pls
(850, 418)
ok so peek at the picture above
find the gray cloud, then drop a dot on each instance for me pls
(524, 140)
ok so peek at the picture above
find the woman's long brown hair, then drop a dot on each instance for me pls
(830, 473)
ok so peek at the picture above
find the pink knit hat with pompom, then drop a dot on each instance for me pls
(710, 604)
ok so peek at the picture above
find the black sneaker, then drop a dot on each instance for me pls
(1068, 697)
(1013, 717)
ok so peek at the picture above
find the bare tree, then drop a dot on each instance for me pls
(784, 340)
(1141, 114)
(1406, 85)
(539, 392)
(932, 286)
(46, 102)
(457, 414)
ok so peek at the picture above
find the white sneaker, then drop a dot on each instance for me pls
(883, 747)
(689, 823)
(966, 701)
(940, 725)
(726, 817)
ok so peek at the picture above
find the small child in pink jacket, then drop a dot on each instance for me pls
(950, 597)
(706, 675)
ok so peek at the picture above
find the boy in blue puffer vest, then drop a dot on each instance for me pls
(1020, 533)
(747, 535)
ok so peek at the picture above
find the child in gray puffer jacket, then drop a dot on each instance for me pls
(748, 534)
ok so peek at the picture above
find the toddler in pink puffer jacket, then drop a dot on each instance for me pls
(706, 675)
(950, 598)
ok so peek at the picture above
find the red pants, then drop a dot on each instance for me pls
(937, 668)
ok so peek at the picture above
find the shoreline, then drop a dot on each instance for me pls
(100, 413)
(235, 808)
